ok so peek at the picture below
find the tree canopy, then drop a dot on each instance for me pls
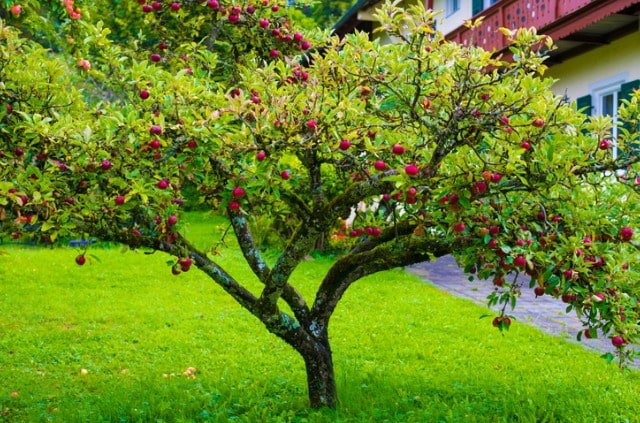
(110, 128)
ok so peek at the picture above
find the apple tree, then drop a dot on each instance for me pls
(424, 147)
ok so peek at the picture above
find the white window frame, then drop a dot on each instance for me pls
(604, 88)
(451, 7)
(489, 3)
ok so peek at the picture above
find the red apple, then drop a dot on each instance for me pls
(144, 94)
(538, 123)
(120, 200)
(397, 149)
(172, 220)
(344, 145)
(459, 227)
(106, 165)
(411, 170)
(520, 261)
(617, 341)
(626, 234)
(604, 144)
(285, 174)
(480, 187)
(539, 291)
(155, 130)
(234, 206)
(261, 155)
(80, 260)
(499, 321)
(238, 192)
(16, 9)
(185, 263)
(379, 165)
(163, 184)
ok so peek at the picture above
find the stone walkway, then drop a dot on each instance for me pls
(546, 313)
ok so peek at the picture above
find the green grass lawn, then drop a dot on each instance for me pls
(404, 351)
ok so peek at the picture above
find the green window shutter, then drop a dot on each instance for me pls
(584, 104)
(628, 88)
(477, 7)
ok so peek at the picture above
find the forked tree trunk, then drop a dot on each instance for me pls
(320, 376)
(316, 353)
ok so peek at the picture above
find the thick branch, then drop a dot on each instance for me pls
(298, 247)
(402, 251)
(304, 237)
(245, 239)
(245, 298)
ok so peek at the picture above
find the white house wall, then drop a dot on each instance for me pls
(578, 76)
(448, 23)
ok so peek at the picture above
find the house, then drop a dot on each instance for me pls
(597, 62)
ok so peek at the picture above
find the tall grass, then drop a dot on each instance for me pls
(112, 341)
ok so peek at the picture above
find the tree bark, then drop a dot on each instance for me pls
(312, 343)
(320, 375)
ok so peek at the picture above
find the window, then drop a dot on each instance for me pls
(479, 5)
(606, 99)
(607, 105)
(451, 7)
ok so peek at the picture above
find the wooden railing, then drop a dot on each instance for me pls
(514, 14)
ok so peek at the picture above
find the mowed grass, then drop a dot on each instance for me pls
(404, 351)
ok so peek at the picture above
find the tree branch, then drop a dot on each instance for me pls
(245, 239)
(403, 251)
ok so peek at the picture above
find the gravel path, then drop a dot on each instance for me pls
(546, 313)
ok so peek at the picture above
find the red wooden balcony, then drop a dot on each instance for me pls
(575, 25)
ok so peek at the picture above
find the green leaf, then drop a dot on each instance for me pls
(609, 357)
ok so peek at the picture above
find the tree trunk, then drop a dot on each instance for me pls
(320, 375)
(315, 350)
